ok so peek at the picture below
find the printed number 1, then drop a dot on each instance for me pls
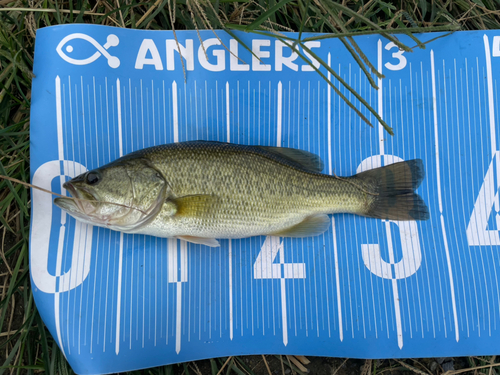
(397, 55)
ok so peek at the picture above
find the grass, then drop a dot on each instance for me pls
(25, 344)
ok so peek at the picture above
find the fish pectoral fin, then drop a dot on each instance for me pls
(194, 205)
(299, 158)
(311, 226)
(211, 242)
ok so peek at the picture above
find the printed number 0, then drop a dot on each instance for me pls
(397, 55)
(42, 230)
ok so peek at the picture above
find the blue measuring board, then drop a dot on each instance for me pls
(364, 289)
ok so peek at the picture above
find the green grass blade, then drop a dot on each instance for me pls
(43, 343)
(264, 16)
(11, 356)
(354, 50)
(241, 43)
(380, 32)
(351, 90)
(12, 288)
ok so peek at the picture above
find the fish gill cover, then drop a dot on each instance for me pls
(366, 288)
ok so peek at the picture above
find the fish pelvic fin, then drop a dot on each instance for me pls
(392, 190)
(312, 225)
(211, 242)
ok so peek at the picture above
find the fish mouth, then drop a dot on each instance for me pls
(71, 188)
(81, 204)
(79, 192)
(68, 205)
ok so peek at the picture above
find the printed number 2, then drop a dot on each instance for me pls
(265, 268)
(397, 55)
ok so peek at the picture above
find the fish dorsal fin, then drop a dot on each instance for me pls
(312, 225)
(194, 205)
(298, 158)
(211, 242)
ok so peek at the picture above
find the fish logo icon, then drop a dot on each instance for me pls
(112, 41)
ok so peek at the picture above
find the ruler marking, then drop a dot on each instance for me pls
(491, 104)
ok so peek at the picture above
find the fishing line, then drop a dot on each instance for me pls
(65, 196)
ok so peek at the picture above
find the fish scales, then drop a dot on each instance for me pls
(257, 193)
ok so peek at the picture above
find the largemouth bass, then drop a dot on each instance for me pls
(199, 191)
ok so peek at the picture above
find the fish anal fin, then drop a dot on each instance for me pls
(211, 242)
(312, 225)
(194, 205)
(298, 158)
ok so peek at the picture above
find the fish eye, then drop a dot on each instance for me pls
(93, 178)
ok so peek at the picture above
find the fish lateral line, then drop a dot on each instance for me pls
(355, 185)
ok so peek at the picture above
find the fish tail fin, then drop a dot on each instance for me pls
(392, 191)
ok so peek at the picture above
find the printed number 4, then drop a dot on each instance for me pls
(397, 55)
(496, 46)
(478, 233)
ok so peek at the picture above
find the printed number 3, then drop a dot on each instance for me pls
(408, 235)
(397, 55)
